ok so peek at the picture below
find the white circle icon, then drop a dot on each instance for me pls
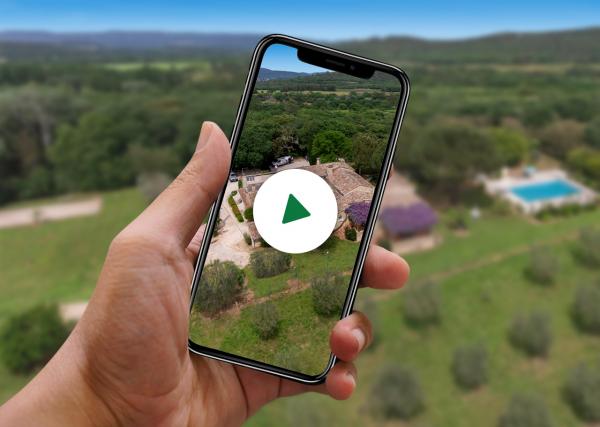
(295, 211)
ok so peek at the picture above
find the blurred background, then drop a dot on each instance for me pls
(493, 201)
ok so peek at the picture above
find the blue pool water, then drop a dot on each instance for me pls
(544, 190)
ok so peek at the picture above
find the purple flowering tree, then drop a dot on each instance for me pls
(358, 213)
(403, 221)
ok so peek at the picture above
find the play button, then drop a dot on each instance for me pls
(295, 211)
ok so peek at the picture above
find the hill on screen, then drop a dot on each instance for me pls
(266, 74)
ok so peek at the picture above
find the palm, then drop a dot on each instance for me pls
(142, 347)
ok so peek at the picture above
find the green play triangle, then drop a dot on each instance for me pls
(294, 210)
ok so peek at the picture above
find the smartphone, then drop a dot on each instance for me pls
(286, 240)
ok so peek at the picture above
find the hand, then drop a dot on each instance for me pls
(126, 362)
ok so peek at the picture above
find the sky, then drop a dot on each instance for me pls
(281, 57)
(314, 19)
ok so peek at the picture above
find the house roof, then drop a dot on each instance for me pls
(347, 185)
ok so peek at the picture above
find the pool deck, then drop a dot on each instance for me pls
(502, 188)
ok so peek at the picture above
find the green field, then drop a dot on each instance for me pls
(299, 324)
(482, 282)
(57, 262)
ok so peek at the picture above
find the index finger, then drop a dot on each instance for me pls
(384, 269)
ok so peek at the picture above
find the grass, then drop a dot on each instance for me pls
(300, 330)
(338, 258)
(479, 300)
(58, 261)
(301, 343)
(478, 306)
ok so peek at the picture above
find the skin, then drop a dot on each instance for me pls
(127, 363)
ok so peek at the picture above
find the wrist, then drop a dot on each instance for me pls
(59, 395)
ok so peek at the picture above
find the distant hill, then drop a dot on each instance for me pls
(133, 40)
(553, 46)
(264, 74)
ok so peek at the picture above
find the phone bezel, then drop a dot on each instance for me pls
(257, 56)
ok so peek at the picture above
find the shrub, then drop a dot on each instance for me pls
(288, 359)
(501, 207)
(247, 239)
(328, 294)
(350, 234)
(219, 287)
(582, 391)
(531, 334)
(329, 244)
(457, 219)
(586, 309)
(249, 214)
(396, 394)
(234, 193)
(543, 266)
(152, 184)
(235, 209)
(400, 221)
(265, 319)
(470, 366)
(422, 304)
(240, 185)
(588, 249)
(269, 262)
(358, 213)
(31, 338)
(525, 411)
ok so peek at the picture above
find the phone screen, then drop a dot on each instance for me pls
(288, 233)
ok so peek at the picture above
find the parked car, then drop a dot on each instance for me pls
(282, 161)
(233, 177)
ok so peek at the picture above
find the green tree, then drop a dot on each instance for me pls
(367, 153)
(255, 148)
(30, 339)
(396, 394)
(470, 366)
(582, 391)
(525, 411)
(265, 320)
(330, 145)
(219, 287)
(531, 334)
(513, 145)
(560, 137)
(585, 161)
(446, 158)
(592, 133)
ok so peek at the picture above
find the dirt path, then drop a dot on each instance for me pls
(52, 212)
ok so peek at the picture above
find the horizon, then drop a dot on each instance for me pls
(23, 31)
(431, 20)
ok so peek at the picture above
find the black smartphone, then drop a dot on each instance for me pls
(286, 240)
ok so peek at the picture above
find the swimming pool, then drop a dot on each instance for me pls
(546, 190)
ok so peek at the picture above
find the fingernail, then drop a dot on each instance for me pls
(205, 132)
(360, 337)
(351, 377)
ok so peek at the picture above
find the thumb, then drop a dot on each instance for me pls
(179, 210)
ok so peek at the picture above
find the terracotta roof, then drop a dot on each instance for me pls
(348, 186)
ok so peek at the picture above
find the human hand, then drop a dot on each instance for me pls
(127, 363)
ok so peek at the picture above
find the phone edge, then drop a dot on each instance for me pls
(374, 211)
